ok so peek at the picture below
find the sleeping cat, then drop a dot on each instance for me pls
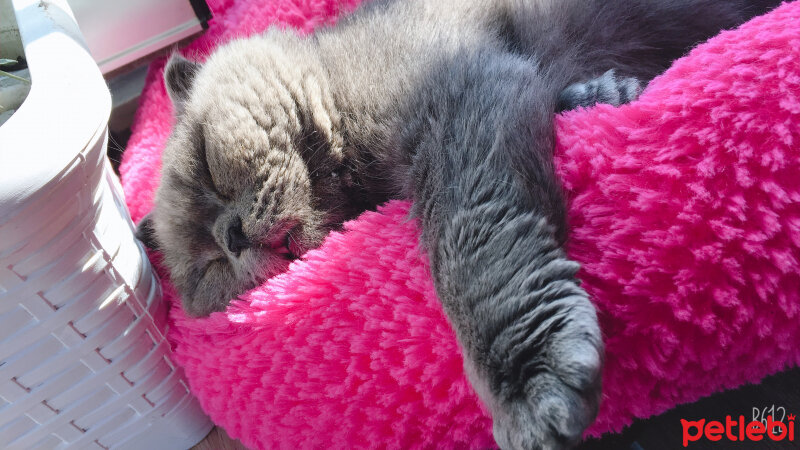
(280, 138)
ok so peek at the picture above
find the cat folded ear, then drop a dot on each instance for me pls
(178, 77)
(146, 233)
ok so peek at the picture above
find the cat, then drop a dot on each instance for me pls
(280, 138)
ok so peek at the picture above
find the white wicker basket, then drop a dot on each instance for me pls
(83, 359)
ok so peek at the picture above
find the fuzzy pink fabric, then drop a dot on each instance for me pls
(685, 213)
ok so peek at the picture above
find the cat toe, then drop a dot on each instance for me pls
(558, 401)
(606, 88)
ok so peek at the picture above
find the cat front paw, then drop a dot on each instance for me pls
(557, 391)
(607, 88)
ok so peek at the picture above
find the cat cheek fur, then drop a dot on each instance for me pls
(145, 232)
(202, 288)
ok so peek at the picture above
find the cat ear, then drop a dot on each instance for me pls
(146, 233)
(178, 77)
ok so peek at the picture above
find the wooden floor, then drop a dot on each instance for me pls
(218, 439)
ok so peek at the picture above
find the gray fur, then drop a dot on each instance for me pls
(280, 138)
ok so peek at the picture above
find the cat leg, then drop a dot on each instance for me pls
(607, 88)
(492, 213)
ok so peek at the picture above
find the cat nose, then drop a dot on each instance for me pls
(237, 241)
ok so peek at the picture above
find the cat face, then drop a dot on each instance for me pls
(253, 175)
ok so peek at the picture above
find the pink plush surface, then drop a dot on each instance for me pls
(685, 213)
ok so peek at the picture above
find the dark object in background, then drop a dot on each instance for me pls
(664, 432)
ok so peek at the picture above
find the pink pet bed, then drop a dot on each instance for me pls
(685, 214)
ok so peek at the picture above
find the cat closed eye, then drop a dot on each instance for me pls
(332, 174)
(339, 172)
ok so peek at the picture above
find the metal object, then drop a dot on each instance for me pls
(121, 32)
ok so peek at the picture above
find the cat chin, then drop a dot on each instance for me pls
(266, 263)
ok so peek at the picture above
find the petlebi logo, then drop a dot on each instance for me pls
(769, 423)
